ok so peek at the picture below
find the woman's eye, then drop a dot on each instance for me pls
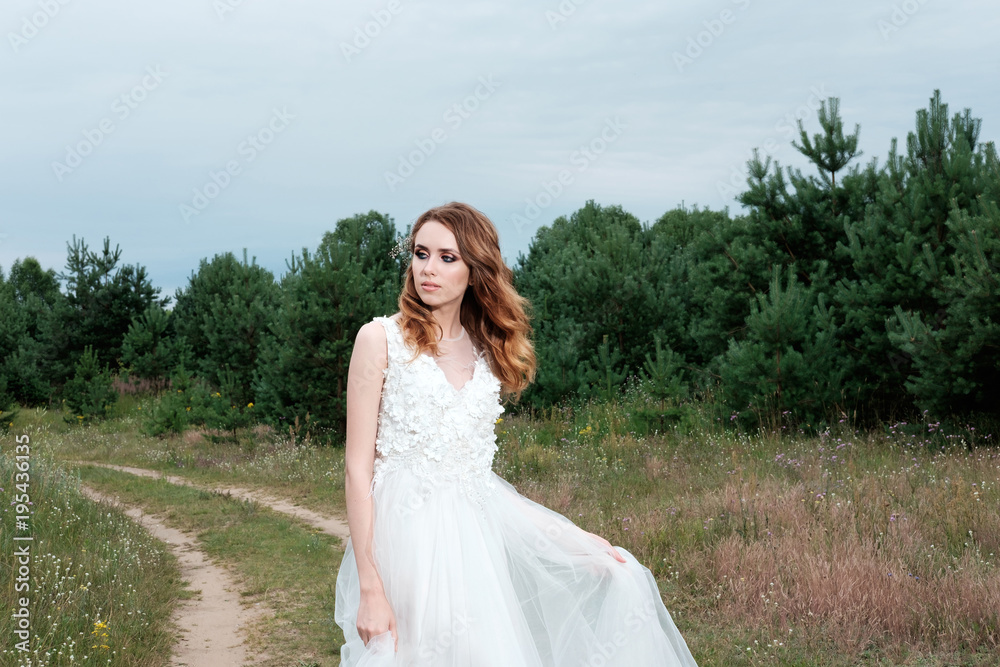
(422, 254)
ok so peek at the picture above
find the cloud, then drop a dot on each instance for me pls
(560, 81)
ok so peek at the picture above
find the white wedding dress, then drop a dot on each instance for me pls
(478, 575)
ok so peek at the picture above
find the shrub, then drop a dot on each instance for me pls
(89, 394)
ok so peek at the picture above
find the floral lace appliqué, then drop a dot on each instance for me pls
(442, 434)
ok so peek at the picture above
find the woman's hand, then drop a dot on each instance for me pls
(375, 617)
(607, 546)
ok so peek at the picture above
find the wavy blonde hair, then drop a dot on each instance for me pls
(492, 311)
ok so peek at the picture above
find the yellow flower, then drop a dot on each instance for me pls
(249, 405)
(188, 408)
(180, 391)
(499, 419)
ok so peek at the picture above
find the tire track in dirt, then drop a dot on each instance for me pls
(329, 525)
(211, 626)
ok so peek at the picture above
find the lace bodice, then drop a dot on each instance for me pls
(427, 426)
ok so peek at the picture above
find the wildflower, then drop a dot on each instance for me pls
(249, 405)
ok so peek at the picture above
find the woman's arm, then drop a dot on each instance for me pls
(364, 393)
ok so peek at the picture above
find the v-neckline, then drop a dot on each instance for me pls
(444, 376)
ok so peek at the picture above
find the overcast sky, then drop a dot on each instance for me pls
(195, 127)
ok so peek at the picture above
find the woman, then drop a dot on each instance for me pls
(447, 564)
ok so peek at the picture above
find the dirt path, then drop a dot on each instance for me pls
(328, 525)
(211, 625)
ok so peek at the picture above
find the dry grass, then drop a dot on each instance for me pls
(775, 549)
(860, 549)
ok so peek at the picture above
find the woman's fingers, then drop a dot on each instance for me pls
(610, 548)
(367, 634)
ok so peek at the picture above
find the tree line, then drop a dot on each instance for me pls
(860, 291)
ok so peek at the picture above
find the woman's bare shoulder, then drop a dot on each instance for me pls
(371, 334)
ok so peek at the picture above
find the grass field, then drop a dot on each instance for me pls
(100, 588)
(835, 549)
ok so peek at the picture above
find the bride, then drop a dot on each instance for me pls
(447, 565)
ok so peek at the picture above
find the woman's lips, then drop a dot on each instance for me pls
(430, 287)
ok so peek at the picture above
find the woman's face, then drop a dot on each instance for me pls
(440, 274)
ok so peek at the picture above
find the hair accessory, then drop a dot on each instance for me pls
(401, 246)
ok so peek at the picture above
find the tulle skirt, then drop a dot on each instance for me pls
(506, 582)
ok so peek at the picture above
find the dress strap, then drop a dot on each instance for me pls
(393, 338)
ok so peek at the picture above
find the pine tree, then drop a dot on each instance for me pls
(604, 375)
(786, 369)
(27, 299)
(899, 252)
(712, 275)
(801, 220)
(101, 300)
(223, 316)
(326, 297)
(694, 288)
(151, 348)
(663, 375)
(955, 357)
(89, 394)
(559, 372)
(593, 270)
